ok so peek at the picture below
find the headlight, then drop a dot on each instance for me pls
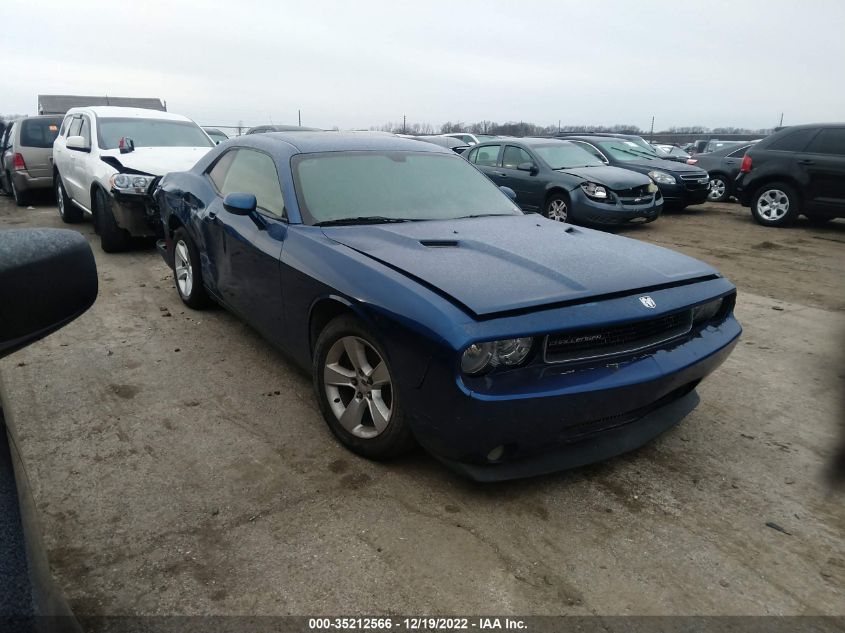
(508, 352)
(595, 191)
(706, 311)
(662, 177)
(130, 183)
(652, 188)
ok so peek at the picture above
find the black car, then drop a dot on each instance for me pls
(723, 167)
(680, 184)
(565, 182)
(799, 170)
(260, 129)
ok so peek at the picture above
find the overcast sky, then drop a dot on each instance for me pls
(363, 63)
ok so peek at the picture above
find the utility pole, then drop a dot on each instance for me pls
(652, 128)
(558, 126)
(299, 115)
(781, 120)
(403, 123)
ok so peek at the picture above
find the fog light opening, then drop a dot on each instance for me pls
(496, 454)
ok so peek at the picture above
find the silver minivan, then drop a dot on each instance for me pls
(28, 156)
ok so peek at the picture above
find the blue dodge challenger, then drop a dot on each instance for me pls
(428, 308)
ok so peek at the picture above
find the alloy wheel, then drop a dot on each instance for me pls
(558, 210)
(717, 189)
(15, 195)
(60, 200)
(358, 386)
(184, 270)
(772, 205)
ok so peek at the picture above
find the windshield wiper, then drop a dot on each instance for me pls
(362, 219)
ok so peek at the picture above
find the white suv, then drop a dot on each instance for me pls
(106, 160)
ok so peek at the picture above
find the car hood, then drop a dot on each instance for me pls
(492, 265)
(646, 165)
(613, 177)
(156, 161)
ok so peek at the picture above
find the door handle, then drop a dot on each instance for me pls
(501, 174)
(806, 161)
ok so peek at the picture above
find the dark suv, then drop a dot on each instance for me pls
(799, 170)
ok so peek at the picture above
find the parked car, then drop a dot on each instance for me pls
(715, 144)
(671, 152)
(449, 142)
(27, 159)
(799, 170)
(260, 129)
(723, 167)
(106, 160)
(565, 182)
(680, 184)
(5, 146)
(504, 343)
(217, 135)
(471, 139)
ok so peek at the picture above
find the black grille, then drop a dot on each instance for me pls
(616, 340)
(635, 195)
(694, 182)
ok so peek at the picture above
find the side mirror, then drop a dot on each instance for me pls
(240, 203)
(529, 167)
(510, 193)
(48, 277)
(77, 143)
(126, 145)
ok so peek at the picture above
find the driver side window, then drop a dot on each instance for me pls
(250, 171)
(488, 156)
(514, 156)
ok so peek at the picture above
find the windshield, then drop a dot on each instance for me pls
(565, 155)
(627, 150)
(336, 186)
(151, 133)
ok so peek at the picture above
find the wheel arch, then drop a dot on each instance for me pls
(787, 180)
(322, 312)
(555, 189)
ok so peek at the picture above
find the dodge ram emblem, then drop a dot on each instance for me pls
(648, 302)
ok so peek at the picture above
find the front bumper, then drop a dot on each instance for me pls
(26, 182)
(136, 213)
(685, 194)
(589, 211)
(571, 415)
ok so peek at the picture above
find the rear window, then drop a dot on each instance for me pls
(793, 141)
(40, 132)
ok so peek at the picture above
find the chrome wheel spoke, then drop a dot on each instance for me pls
(354, 413)
(338, 376)
(357, 354)
(380, 376)
(379, 411)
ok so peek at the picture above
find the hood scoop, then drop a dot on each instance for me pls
(440, 243)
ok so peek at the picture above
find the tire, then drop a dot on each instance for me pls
(558, 207)
(775, 204)
(19, 197)
(376, 426)
(187, 273)
(68, 212)
(113, 239)
(720, 189)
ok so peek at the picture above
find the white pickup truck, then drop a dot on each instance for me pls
(106, 160)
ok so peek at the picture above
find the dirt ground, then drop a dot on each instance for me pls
(180, 465)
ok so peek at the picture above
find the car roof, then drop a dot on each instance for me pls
(308, 142)
(127, 113)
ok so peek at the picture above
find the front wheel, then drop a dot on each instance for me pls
(187, 272)
(719, 189)
(356, 391)
(557, 208)
(775, 204)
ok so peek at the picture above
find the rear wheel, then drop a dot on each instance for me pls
(356, 391)
(719, 188)
(557, 207)
(113, 239)
(187, 272)
(775, 204)
(68, 211)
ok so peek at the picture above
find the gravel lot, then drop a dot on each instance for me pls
(180, 465)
